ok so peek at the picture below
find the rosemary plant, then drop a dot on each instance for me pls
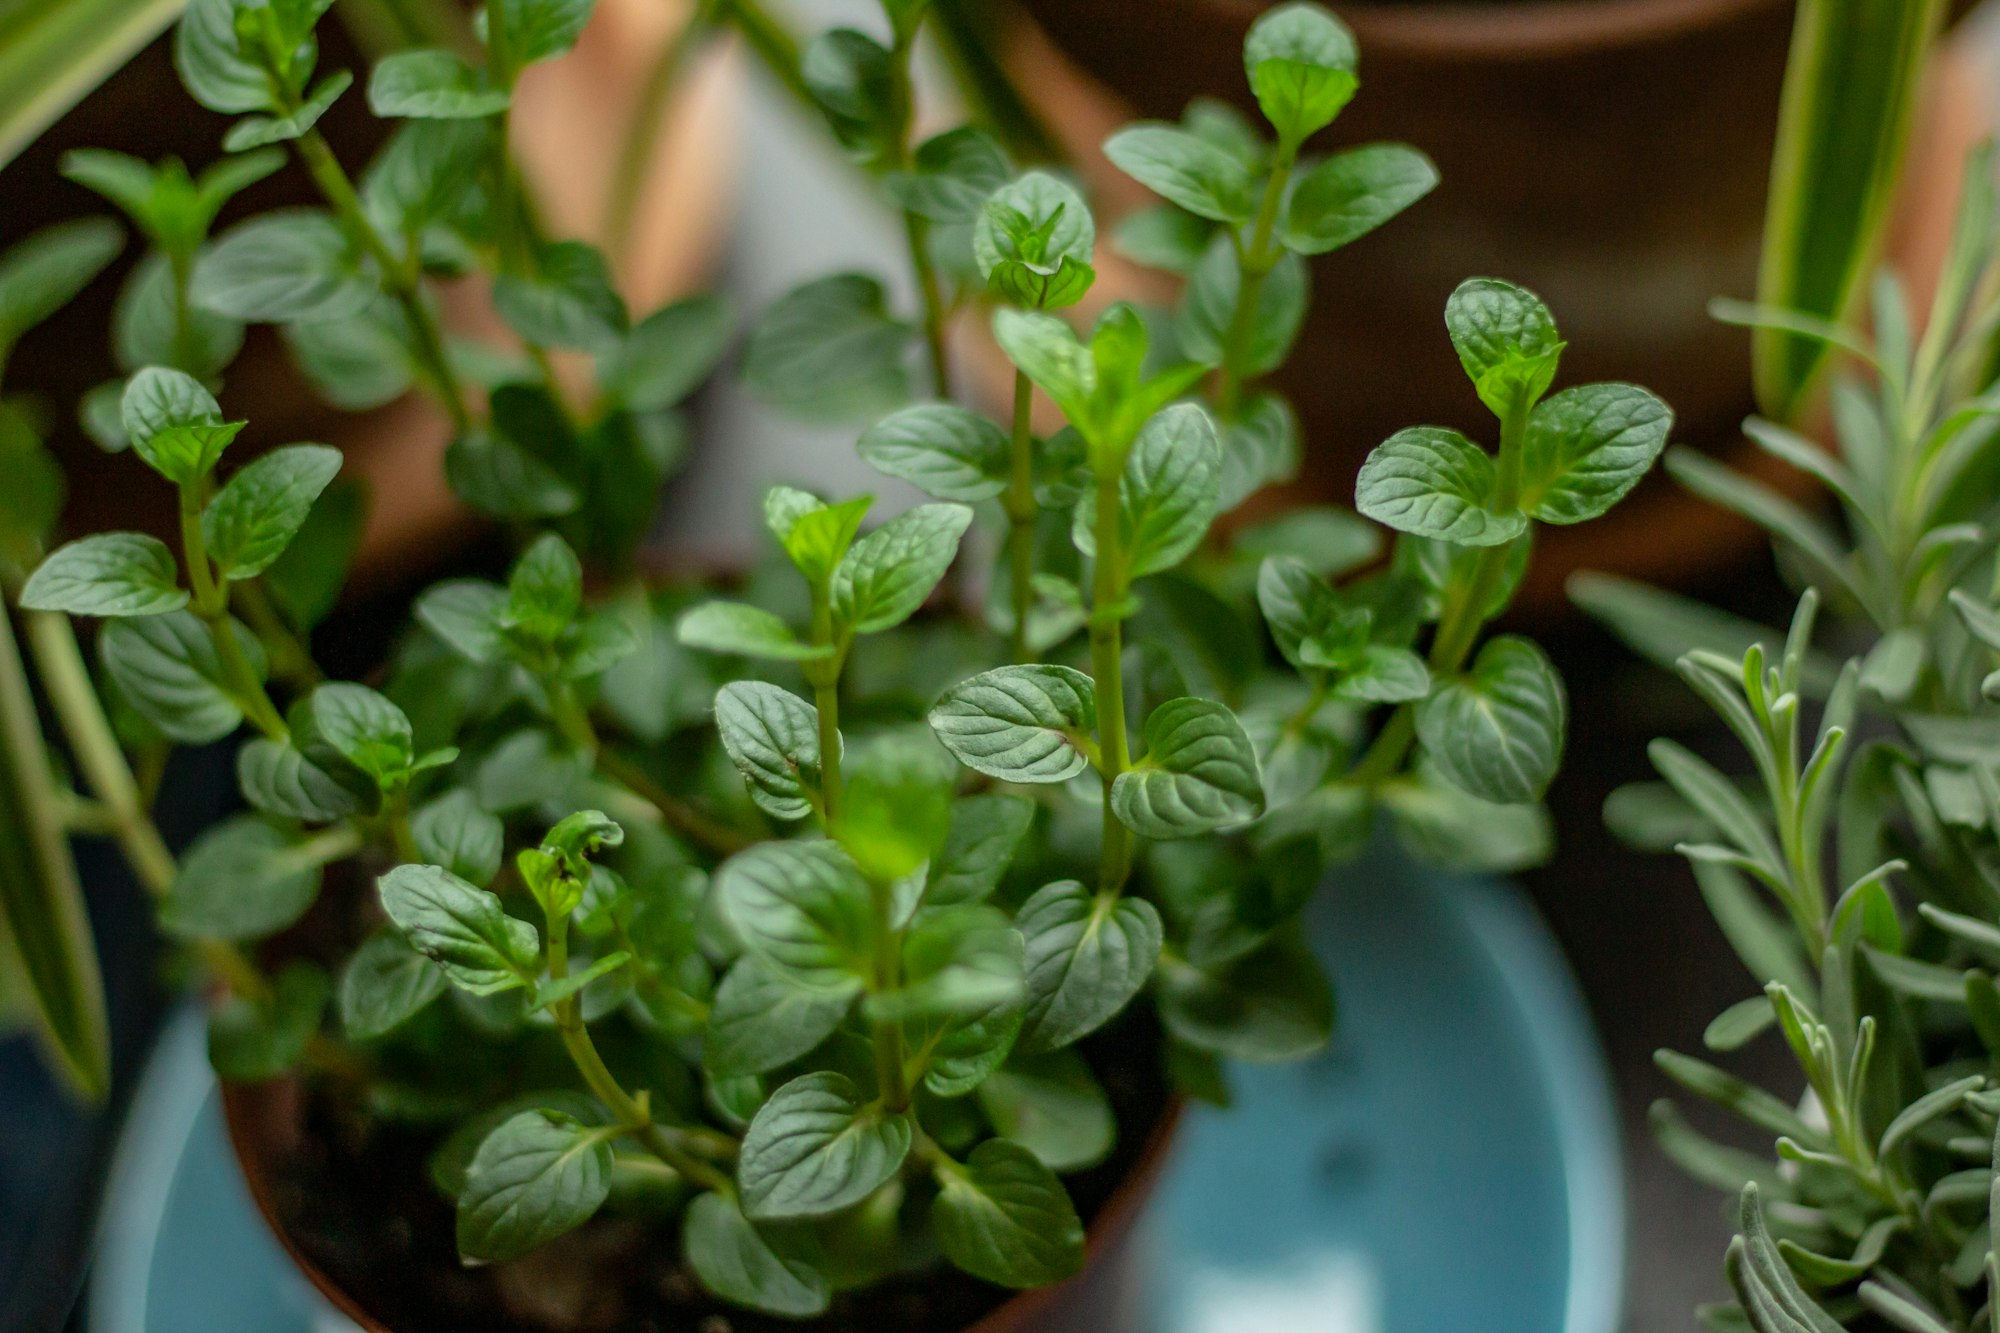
(777, 906)
(1854, 872)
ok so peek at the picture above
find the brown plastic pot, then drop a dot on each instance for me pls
(1610, 154)
(568, 132)
(265, 1122)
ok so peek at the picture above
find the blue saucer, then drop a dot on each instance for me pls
(1464, 1110)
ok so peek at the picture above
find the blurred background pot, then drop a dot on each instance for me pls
(1613, 155)
(570, 137)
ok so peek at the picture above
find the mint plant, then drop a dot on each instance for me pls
(1852, 872)
(800, 911)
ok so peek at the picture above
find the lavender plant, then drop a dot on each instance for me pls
(1853, 872)
(777, 905)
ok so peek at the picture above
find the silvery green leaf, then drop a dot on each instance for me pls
(772, 736)
(734, 1261)
(816, 1147)
(1300, 60)
(941, 449)
(1351, 193)
(1208, 308)
(885, 576)
(258, 511)
(1003, 1216)
(804, 908)
(1020, 723)
(745, 631)
(167, 668)
(984, 832)
(281, 779)
(830, 351)
(1199, 773)
(1587, 446)
(539, 1175)
(1434, 483)
(460, 927)
(1770, 1295)
(1506, 340)
(430, 84)
(110, 574)
(760, 1021)
(1183, 168)
(1271, 1004)
(1087, 956)
(241, 880)
(1053, 1106)
(212, 65)
(1441, 825)
(281, 267)
(384, 985)
(1497, 731)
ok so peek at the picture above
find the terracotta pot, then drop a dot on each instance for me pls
(568, 132)
(1610, 154)
(265, 1123)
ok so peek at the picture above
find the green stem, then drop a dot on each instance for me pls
(211, 603)
(66, 679)
(1022, 511)
(825, 678)
(918, 230)
(625, 1108)
(574, 722)
(401, 278)
(181, 266)
(891, 1059)
(773, 43)
(290, 657)
(642, 132)
(1255, 260)
(1107, 653)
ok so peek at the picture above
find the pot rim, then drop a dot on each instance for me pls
(243, 1104)
(1466, 32)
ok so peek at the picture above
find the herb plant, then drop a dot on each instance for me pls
(1854, 872)
(777, 904)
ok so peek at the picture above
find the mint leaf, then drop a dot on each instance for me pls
(1087, 956)
(1184, 169)
(566, 299)
(1199, 773)
(951, 175)
(1020, 723)
(281, 779)
(814, 534)
(40, 275)
(465, 614)
(1047, 351)
(886, 576)
(259, 131)
(366, 730)
(1053, 1106)
(815, 1148)
(667, 354)
(1435, 483)
(384, 985)
(745, 631)
(1209, 306)
(1168, 493)
(167, 667)
(1300, 60)
(772, 737)
(1351, 194)
(532, 30)
(803, 908)
(1506, 340)
(174, 423)
(829, 351)
(1271, 1004)
(1033, 241)
(211, 64)
(432, 85)
(760, 1021)
(539, 1175)
(544, 590)
(241, 880)
(258, 511)
(251, 1043)
(941, 449)
(461, 928)
(734, 1261)
(280, 268)
(1587, 446)
(1003, 1216)
(111, 574)
(1497, 732)
(496, 476)
(979, 845)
